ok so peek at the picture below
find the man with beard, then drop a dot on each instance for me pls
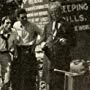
(60, 38)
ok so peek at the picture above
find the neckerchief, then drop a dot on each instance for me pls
(6, 39)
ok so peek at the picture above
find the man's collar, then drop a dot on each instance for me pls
(54, 24)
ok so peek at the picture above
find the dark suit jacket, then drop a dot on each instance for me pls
(59, 54)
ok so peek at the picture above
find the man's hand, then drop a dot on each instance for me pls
(63, 41)
(30, 43)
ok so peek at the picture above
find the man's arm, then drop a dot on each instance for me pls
(16, 40)
(39, 33)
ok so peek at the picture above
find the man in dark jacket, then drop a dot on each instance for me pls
(59, 37)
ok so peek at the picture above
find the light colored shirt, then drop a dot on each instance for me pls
(28, 33)
(13, 39)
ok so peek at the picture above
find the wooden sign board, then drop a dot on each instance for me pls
(37, 11)
(78, 13)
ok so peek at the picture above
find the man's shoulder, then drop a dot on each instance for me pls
(67, 26)
(17, 24)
